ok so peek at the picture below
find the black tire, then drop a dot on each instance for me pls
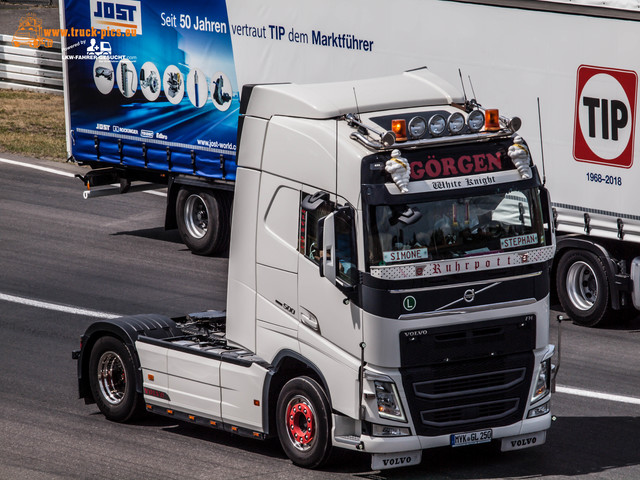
(583, 288)
(112, 376)
(204, 220)
(303, 410)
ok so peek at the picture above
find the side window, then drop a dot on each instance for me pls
(309, 234)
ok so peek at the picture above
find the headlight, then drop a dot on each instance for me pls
(543, 381)
(476, 120)
(417, 127)
(388, 401)
(456, 123)
(436, 125)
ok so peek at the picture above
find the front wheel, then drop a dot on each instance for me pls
(113, 381)
(303, 422)
(583, 288)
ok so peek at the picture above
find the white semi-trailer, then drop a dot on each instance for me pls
(388, 290)
(152, 94)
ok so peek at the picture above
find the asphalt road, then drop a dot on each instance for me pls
(65, 260)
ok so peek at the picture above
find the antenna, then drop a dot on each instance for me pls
(462, 83)
(356, 99)
(472, 90)
(544, 173)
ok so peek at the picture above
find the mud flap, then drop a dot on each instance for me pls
(383, 461)
(523, 441)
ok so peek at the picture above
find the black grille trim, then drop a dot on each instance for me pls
(469, 384)
(473, 412)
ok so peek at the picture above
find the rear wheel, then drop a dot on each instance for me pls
(203, 220)
(112, 379)
(583, 288)
(303, 422)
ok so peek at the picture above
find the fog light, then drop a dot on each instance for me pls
(417, 127)
(539, 411)
(389, 431)
(436, 125)
(476, 121)
(456, 123)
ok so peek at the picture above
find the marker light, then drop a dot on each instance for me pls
(399, 127)
(456, 123)
(476, 121)
(492, 122)
(436, 125)
(417, 127)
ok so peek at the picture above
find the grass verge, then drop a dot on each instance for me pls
(32, 124)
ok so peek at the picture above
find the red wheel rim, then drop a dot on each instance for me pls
(301, 423)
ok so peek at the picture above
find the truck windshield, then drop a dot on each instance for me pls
(455, 228)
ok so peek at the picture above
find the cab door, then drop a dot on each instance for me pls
(326, 313)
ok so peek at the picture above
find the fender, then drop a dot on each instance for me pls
(276, 365)
(126, 329)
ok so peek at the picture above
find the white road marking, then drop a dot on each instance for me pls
(56, 307)
(597, 395)
(63, 173)
(37, 167)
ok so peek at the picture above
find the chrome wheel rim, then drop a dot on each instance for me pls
(582, 285)
(196, 216)
(112, 378)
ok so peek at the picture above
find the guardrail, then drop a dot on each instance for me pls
(28, 68)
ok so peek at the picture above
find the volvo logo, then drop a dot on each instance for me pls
(469, 295)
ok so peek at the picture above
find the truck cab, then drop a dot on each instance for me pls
(388, 281)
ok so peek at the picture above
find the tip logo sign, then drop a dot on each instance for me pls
(605, 116)
(119, 15)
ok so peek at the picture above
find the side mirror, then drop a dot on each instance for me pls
(338, 247)
(327, 227)
(547, 212)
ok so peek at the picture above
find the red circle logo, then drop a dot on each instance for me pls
(605, 116)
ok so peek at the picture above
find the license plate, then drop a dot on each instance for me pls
(383, 461)
(471, 438)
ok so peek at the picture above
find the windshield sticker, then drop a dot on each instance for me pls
(519, 241)
(405, 255)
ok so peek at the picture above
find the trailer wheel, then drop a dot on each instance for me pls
(583, 288)
(203, 221)
(303, 422)
(112, 379)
